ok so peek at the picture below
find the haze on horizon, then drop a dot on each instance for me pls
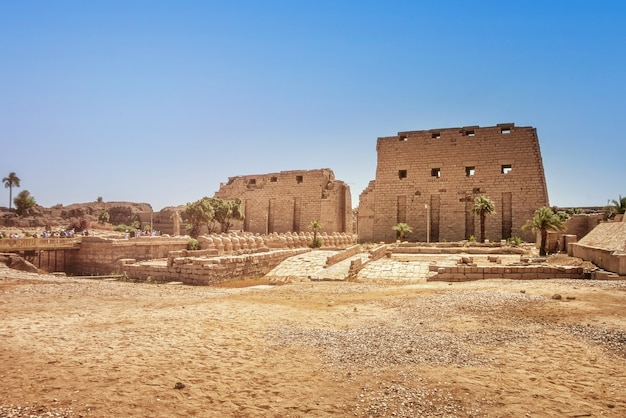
(159, 102)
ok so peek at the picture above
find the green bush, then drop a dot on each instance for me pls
(122, 228)
(316, 243)
(515, 241)
(193, 244)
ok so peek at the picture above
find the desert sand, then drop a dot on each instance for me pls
(501, 348)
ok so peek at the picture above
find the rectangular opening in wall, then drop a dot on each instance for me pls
(436, 135)
(506, 168)
(252, 181)
(403, 138)
(274, 179)
(469, 171)
(435, 172)
(402, 174)
(299, 179)
(505, 131)
(507, 215)
(469, 133)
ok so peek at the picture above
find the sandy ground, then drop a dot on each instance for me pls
(316, 349)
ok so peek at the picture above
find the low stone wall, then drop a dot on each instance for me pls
(206, 271)
(605, 247)
(343, 255)
(452, 248)
(609, 260)
(462, 274)
(101, 256)
(376, 253)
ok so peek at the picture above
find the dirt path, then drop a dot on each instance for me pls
(102, 349)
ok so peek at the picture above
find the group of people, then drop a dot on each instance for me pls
(69, 233)
(139, 233)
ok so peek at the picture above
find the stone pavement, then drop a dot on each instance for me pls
(310, 265)
(385, 270)
(400, 268)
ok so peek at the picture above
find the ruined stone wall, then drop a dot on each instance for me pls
(204, 271)
(101, 256)
(442, 171)
(463, 274)
(289, 200)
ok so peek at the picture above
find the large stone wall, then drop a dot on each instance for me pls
(289, 200)
(435, 175)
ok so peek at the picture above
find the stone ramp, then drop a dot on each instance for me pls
(609, 236)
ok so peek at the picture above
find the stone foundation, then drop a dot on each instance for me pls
(204, 271)
(463, 274)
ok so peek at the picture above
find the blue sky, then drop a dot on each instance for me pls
(160, 101)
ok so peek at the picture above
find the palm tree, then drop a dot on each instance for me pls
(483, 206)
(9, 182)
(401, 229)
(619, 206)
(315, 226)
(544, 220)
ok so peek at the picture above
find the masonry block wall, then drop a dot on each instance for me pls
(289, 200)
(429, 180)
(101, 256)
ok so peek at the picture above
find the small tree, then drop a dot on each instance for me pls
(103, 217)
(619, 205)
(9, 182)
(225, 211)
(401, 229)
(24, 201)
(483, 206)
(544, 220)
(315, 226)
(198, 214)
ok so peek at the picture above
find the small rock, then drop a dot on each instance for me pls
(522, 291)
(556, 296)
(179, 385)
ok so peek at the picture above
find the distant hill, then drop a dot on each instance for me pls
(60, 216)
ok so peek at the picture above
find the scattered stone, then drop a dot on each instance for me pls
(556, 296)
(522, 291)
(179, 385)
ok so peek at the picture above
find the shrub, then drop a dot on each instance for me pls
(316, 243)
(122, 228)
(193, 244)
(472, 238)
(515, 241)
(104, 217)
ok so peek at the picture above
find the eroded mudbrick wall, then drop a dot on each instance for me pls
(429, 180)
(289, 200)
